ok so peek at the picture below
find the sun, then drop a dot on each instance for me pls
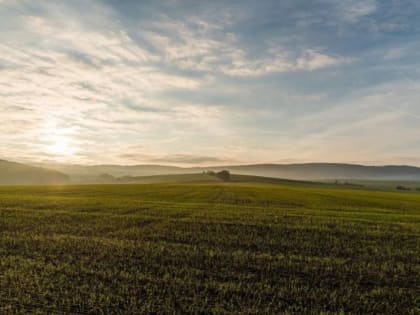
(61, 146)
(59, 142)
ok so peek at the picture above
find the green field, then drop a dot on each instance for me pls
(413, 186)
(209, 248)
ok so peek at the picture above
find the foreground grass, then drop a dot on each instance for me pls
(208, 248)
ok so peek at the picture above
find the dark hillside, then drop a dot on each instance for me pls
(12, 173)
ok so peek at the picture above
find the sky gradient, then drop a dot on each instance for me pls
(210, 82)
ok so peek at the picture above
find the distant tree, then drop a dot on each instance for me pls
(223, 175)
(402, 188)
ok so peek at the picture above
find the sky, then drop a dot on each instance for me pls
(210, 82)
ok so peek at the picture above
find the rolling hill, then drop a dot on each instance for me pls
(17, 173)
(328, 171)
(94, 173)
(310, 171)
(12, 173)
(203, 178)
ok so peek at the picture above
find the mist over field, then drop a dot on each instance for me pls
(17, 173)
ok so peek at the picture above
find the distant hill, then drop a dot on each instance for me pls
(310, 171)
(85, 173)
(327, 171)
(175, 178)
(12, 173)
(197, 178)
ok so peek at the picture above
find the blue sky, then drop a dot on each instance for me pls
(210, 82)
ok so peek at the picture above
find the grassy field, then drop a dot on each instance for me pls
(221, 248)
(413, 186)
(206, 178)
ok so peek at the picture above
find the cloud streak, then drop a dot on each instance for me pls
(191, 83)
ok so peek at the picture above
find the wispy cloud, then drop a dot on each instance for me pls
(188, 159)
(194, 82)
(201, 46)
(354, 10)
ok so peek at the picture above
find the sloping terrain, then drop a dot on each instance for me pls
(324, 171)
(12, 173)
(311, 171)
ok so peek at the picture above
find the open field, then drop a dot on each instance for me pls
(388, 185)
(217, 248)
(195, 178)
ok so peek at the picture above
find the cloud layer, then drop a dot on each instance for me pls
(191, 82)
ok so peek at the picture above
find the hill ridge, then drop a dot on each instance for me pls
(14, 173)
(296, 171)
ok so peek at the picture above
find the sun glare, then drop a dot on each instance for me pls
(59, 141)
(61, 146)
